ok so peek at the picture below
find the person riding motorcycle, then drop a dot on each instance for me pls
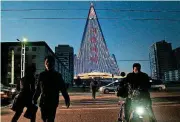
(138, 80)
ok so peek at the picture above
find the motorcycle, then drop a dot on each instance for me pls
(140, 110)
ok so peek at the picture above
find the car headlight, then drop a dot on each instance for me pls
(139, 110)
(13, 90)
(2, 92)
(101, 88)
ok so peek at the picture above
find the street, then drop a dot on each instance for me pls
(79, 47)
(104, 108)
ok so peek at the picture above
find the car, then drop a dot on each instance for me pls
(5, 93)
(104, 83)
(14, 90)
(157, 85)
(111, 87)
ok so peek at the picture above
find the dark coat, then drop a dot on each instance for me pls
(48, 85)
(27, 89)
(94, 84)
(139, 80)
(122, 88)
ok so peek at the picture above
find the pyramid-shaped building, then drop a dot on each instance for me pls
(93, 54)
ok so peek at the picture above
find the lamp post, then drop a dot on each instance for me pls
(23, 61)
(12, 67)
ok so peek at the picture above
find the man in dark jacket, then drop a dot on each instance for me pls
(27, 89)
(94, 85)
(138, 79)
(49, 84)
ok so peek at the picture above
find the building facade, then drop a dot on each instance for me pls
(65, 54)
(172, 75)
(176, 54)
(34, 54)
(161, 59)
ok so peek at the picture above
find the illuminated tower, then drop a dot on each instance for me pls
(93, 54)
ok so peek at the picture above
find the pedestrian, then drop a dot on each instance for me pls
(49, 83)
(84, 86)
(24, 98)
(122, 93)
(93, 86)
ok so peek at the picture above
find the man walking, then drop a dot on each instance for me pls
(93, 86)
(49, 84)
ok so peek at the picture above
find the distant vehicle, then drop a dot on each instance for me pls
(104, 83)
(7, 93)
(111, 87)
(157, 85)
(14, 90)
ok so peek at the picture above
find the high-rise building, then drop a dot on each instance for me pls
(35, 54)
(161, 59)
(75, 64)
(65, 54)
(173, 75)
(176, 54)
(93, 54)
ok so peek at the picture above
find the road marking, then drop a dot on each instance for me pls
(107, 108)
(78, 109)
(159, 105)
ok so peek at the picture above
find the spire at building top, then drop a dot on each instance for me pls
(92, 4)
(92, 14)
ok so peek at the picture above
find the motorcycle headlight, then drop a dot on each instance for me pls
(139, 110)
(13, 90)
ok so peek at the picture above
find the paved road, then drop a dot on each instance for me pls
(166, 106)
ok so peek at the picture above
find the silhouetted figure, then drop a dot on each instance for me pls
(78, 81)
(49, 84)
(27, 89)
(138, 79)
(84, 86)
(122, 93)
(93, 86)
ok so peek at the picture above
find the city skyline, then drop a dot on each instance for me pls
(124, 37)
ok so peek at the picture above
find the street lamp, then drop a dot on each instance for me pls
(23, 61)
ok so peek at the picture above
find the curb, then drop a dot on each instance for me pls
(160, 103)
